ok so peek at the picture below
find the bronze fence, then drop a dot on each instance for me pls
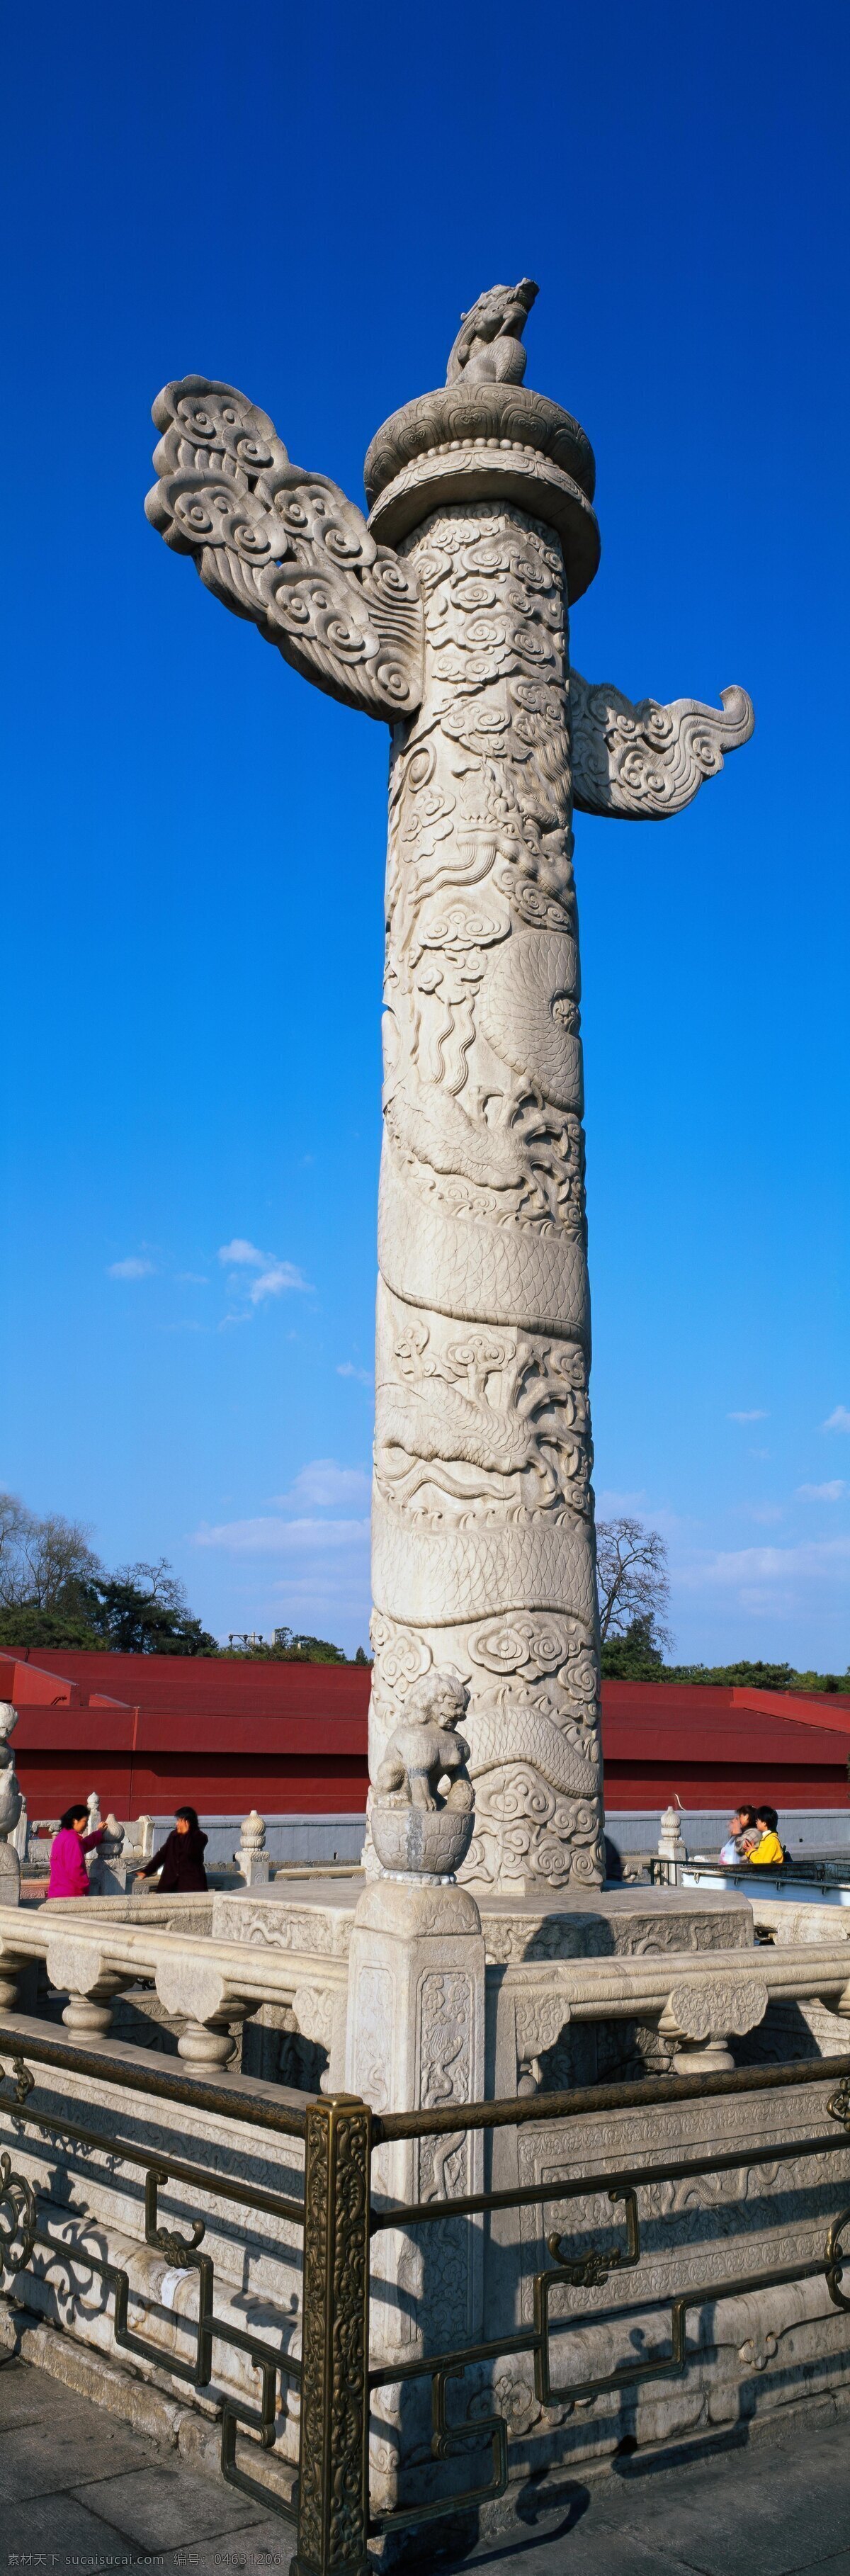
(328, 2496)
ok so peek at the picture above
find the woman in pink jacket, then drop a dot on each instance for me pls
(68, 1873)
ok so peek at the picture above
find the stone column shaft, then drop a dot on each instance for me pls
(483, 1541)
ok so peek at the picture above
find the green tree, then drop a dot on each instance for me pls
(23, 1631)
(634, 1656)
(143, 1610)
(55, 1593)
(758, 1676)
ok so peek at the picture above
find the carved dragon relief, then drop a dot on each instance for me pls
(483, 1547)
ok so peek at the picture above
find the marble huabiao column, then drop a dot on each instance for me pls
(446, 616)
(483, 1536)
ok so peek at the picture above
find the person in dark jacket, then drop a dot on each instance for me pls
(181, 1860)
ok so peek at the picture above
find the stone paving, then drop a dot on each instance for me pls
(768, 2506)
(82, 2491)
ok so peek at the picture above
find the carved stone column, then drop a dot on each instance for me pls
(446, 615)
(483, 1554)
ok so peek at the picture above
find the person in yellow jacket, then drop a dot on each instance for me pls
(769, 1849)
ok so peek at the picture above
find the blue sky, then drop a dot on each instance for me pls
(302, 203)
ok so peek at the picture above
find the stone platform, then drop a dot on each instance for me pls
(413, 1996)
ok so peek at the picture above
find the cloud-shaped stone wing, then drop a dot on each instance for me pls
(285, 548)
(642, 762)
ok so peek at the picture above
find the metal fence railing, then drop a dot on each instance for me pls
(335, 2375)
(817, 1874)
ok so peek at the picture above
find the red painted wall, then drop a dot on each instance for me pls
(712, 1746)
(149, 1731)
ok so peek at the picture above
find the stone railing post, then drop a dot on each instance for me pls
(670, 1844)
(415, 2040)
(333, 2487)
(108, 1870)
(252, 1857)
(11, 1803)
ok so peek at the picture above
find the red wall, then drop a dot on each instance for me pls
(150, 1731)
(710, 1747)
(287, 1738)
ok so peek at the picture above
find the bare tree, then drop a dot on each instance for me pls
(15, 1527)
(631, 1573)
(39, 1558)
(157, 1582)
(54, 1553)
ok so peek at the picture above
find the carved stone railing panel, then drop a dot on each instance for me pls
(208, 1987)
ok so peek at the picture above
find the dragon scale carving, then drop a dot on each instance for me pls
(482, 1432)
(446, 614)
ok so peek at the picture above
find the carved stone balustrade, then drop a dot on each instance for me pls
(210, 1985)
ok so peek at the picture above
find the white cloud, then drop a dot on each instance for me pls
(829, 1493)
(133, 1268)
(323, 1481)
(273, 1281)
(266, 1536)
(770, 1566)
(241, 1253)
(346, 1368)
(610, 1501)
(275, 1276)
(193, 1279)
(837, 1421)
(755, 1416)
(766, 1513)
